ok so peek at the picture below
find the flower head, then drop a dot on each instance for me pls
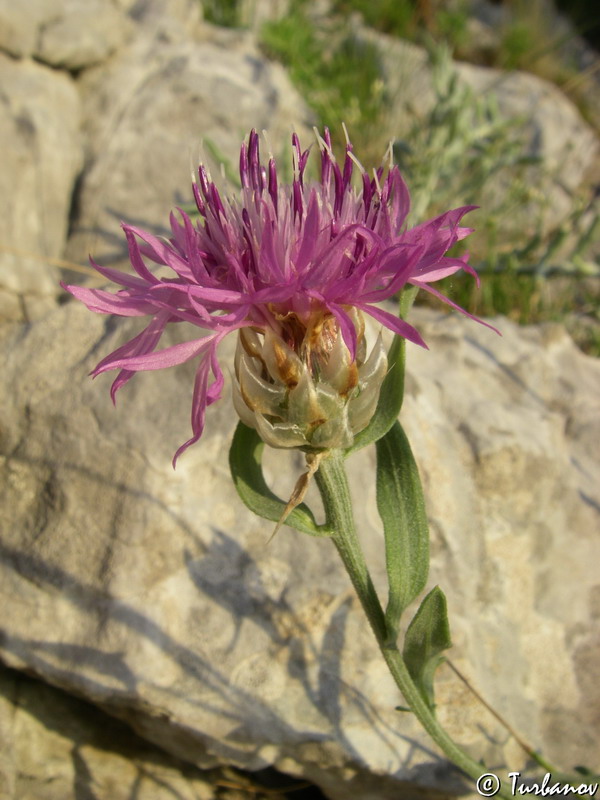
(293, 268)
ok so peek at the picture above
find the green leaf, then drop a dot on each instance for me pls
(587, 772)
(245, 462)
(402, 509)
(392, 389)
(427, 637)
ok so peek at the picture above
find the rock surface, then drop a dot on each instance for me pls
(64, 33)
(56, 747)
(154, 595)
(20, 24)
(80, 35)
(41, 157)
(568, 48)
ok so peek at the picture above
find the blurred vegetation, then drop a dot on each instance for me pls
(338, 75)
(412, 19)
(226, 13)
(462, 152)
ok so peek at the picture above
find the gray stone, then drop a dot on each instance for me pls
(42, 155)
(57, 747)
(20, 24)
(255, 13)
(146, 114)
(64, 33)
(81, 33)
(166, 20)
(155, 595)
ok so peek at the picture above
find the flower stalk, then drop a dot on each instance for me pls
(293, 270)
(333, 486)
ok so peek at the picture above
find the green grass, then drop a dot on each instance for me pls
(415, 20)
(338, 76)
(226, 13)
(397, 17)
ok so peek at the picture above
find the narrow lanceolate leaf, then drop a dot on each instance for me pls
(245, 462)
(402, 509)
(392, 389)
(427, 637)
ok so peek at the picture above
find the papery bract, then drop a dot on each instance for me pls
(277, 258)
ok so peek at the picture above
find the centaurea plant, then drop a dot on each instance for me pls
(294, 269)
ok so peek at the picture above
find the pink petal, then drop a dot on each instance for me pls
(137, 262)
(122, 278)
(400, 199)
(449, 302)
(169, 357)
(145, 342)
(346, 327)
(106, 303)
(309, 234)
(443, 269)
(162, 253)
(394, 323)
(204, 395)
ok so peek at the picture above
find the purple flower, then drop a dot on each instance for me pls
(285, 259)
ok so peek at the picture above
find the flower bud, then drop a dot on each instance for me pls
(301, 388)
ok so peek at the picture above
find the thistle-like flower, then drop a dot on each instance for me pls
(313, 394)
(292, 268)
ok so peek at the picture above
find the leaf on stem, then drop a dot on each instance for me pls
(392, 389)
(401, 507)
(245, 462)
(427, 637)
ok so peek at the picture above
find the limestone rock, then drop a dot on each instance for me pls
(71, 34)
(81, 33)
(166, 20)
(154, 595)
(57, 747)
(41, 157)
(20, 24)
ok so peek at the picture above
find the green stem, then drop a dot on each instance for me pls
(333, 486)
